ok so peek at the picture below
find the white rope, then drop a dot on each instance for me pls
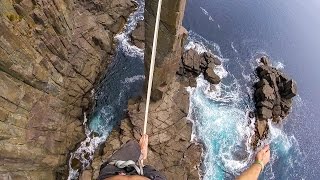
(153, 57)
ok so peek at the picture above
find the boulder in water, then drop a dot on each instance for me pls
(211, 76)
(193, 64)
(273, 96)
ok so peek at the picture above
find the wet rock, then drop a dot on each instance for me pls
(251, 114)
(264, 113)
(212, 77)
(273, 96)
(138, 35)
(290, 89)
(194, 64)
(267, 104)
(265, 61)
(261, 126)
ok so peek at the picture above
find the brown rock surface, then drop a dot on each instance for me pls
(170, 41)
(138, 35)
(193, 64)
(170, 149)
(51, 53)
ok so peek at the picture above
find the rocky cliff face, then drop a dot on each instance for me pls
(170, 42)
(51, 54)
(170, 148)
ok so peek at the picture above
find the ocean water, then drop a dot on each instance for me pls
(122, 80)
(239, 32)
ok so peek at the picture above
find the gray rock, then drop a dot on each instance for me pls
(290, 89)
(212, 77)
(264, 60)
(265, 92)
(266, 104)
(264, 113)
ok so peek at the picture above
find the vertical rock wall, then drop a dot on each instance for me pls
(51, 53)
(170, 42)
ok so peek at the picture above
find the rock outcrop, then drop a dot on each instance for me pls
(170, 42)
(193, 64)
(273, 97)
(51, 54)
(138, 35)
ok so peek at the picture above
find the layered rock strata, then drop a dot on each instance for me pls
(273, 95)
(51, 54)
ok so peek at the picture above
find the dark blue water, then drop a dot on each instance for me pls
(124, 80)
(239, 31)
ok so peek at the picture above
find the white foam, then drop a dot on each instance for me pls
(279, 65)
(234, 49)
(123, 37)
(204, 11)
(207, 14)
(89, 145)
(203, 43)
(133, 79)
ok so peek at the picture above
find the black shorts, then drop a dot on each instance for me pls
(129, 151)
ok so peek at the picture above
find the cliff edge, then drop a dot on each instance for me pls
(51, 54)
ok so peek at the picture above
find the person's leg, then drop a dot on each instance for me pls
(129, 151)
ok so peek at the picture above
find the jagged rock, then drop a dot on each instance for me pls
(266, 104)
(199, 63)
(170, 149)
(273, 96)
(211, 58)
(216, 61)
(261, 126)
(212, 77)
(290, 89)
(51, 55)
(276, 111)
(261, 83)
(138, 35)
(265, 61)
(286, 104)
(172, 36)
(264, 113)
(265, 92)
